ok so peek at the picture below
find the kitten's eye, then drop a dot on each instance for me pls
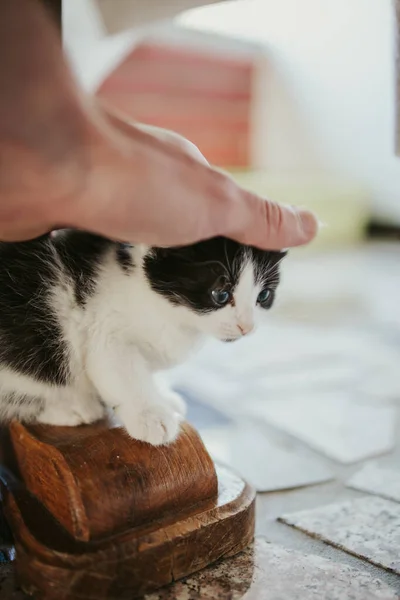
(264, 297)
(220, 297)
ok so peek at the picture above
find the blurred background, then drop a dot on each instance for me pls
(298, 101)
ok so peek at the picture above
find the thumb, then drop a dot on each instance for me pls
(252, 220)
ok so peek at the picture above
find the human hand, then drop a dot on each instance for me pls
(152, 186)
(65, 162)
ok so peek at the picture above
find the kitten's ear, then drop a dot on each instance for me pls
(280, 254)
(274, 257)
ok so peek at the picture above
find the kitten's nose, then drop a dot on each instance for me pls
(245, 328)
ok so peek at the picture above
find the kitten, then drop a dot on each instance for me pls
(85, 323)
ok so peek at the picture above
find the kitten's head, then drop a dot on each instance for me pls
(221, 285)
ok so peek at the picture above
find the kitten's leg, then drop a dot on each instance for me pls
(54, 414)
(125, 383)
(45, 403)
(70, 408)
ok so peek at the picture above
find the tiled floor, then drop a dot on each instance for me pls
(299, 408)
(269, 572)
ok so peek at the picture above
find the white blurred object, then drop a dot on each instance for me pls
(332, 423)
(377, 480)
(119, 15)
(99, 34)
(92, 52)
(266, 464)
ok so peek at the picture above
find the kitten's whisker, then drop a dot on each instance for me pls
(226, 257)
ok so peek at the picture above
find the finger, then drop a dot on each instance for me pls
(252, 220)
(269, 225)
(247, 218)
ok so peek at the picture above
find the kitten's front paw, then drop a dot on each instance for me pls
(156, 425)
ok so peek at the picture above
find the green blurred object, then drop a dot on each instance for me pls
(343, 207)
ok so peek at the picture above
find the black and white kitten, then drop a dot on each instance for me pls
(87, 323)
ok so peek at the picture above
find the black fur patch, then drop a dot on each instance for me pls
(30, 335)
(187, 275)
(81, 254)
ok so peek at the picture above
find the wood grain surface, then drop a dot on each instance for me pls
(98, 515)
(70, 468)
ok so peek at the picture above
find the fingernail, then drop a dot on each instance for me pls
(310, 223)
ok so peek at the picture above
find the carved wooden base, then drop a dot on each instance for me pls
(102, 516)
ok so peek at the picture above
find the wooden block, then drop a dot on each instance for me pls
(96, 515)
